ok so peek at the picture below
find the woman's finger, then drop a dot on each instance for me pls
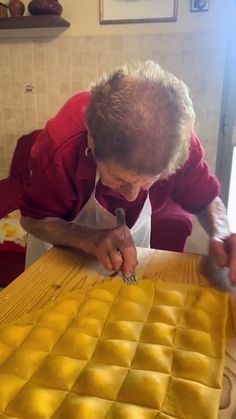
(217, 249)
(231, 248)
(129, 254)
(116, 250)
(116, 259)
(105, 260)
(232, 272)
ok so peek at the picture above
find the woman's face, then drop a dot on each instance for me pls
(122, 181)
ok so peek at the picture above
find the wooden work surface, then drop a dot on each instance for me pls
(60, 271)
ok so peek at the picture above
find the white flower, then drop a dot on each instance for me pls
(11, 230)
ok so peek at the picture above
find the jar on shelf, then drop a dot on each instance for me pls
(16, 8)
(4, 8)
(45, 7)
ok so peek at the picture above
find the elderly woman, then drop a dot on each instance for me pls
(128, 143)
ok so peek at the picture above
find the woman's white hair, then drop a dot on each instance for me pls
(141, 116)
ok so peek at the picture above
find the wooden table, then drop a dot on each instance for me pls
(61, 270)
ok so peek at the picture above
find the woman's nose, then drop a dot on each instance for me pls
(131, 193)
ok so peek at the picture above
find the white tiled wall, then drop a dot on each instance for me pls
(58, 68)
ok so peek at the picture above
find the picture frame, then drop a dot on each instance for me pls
(137, 11)
(199, 5)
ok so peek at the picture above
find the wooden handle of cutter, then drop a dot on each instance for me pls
(120, 216)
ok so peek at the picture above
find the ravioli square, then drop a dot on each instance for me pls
(170, 297)
(129, 311)
(141, 294)
(68, 306)
(202, 320)
(82, 407)
(153, 358)
(164, 314)
(75, 344)
(94, 308)
(199, 341)
(10, 386)
(121, 329)
(114, 352)
(42, 338)
(23, 362)
(145, 388)
(14, 334)
(102, 294)
(35, 402)
(100, 380)
(197, 367)
(5, 351)
(88, 325)
(58, 372)
(159, 333)
(208, 300)
(130, 411)
(55, 321)
(196, 319)
(187, 399)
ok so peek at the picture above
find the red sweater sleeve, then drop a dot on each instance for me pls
(50, 190)
(195, 186)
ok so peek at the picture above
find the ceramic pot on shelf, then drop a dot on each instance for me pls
(4, 8)
(45, 7)
(16, 8)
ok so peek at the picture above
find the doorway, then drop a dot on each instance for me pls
(231, 208)
(226, 156)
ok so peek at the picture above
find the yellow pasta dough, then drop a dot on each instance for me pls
(153, 350)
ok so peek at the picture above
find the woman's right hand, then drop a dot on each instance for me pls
(114, 248)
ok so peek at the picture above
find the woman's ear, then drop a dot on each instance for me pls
(90, 141)
(89, 138)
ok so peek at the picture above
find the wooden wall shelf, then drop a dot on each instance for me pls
(30, 22)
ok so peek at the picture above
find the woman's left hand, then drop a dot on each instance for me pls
(224, 253)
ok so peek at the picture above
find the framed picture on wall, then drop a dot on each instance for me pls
(199, 5)
(137, 11)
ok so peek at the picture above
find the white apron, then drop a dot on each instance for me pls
(93, 215)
